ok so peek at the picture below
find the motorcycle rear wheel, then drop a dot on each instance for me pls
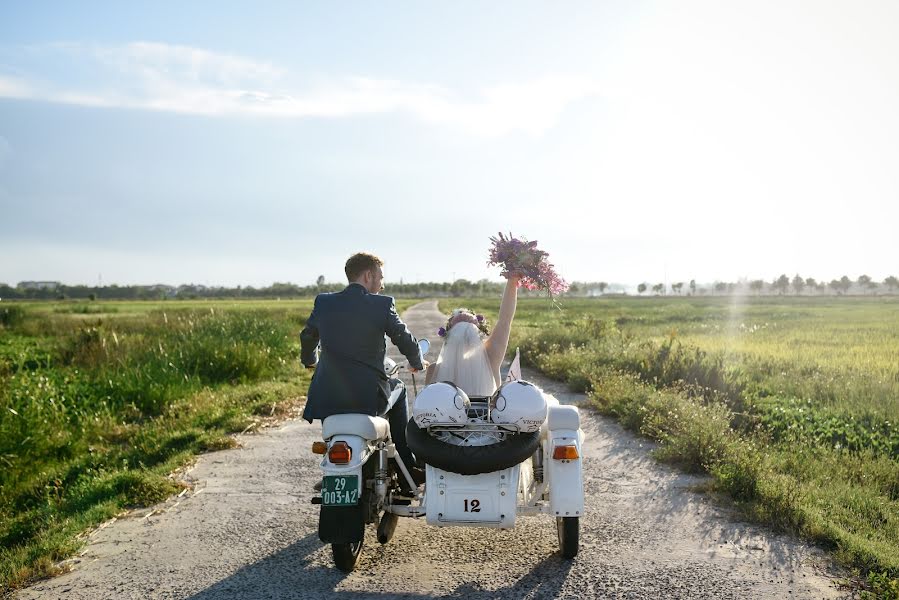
(346, 555)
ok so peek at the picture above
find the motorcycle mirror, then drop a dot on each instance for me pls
(424, 345)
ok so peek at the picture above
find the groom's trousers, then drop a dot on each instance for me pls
(398, 417)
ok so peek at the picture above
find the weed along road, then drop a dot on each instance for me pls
(246, 529)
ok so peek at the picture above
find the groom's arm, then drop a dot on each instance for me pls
(402, 338)
(309, 339)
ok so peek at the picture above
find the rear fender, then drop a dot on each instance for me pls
(361, 448)
(345, 524)
(565, 477)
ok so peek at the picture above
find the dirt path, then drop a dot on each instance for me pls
(247, 530)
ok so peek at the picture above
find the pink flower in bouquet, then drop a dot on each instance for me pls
(522, 258)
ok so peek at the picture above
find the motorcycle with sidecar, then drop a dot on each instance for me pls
(487, 461)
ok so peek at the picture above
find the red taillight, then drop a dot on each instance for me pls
(340, 453)
(565, 452)
(319, 447)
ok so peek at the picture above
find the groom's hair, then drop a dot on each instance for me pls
(359, 263)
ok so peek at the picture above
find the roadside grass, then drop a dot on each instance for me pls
(96, 413)
(791, 405)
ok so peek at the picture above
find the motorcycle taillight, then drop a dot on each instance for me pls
(340, 453)
(568, 452)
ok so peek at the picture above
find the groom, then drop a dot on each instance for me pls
(349, 326)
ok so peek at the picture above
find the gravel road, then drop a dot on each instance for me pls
(246, 529)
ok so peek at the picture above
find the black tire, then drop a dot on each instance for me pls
(346, 555)
(568, 529)
(471, 460)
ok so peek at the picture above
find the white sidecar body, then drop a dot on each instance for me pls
(548, 482)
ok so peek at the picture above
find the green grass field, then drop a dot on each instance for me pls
(791, 404)
(101, 401)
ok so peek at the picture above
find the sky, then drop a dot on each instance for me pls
(225, 143)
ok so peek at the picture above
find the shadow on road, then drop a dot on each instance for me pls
(545, 580)
(288, 574)
(278, 575)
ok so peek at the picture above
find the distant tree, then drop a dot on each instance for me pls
(756, 285)
(845, 283)
(658, 288)
(836, 286)
(602, 285)
(677, 287)
(320, 280)
(641, 288)
(798, 283)
(811, 283)
(692, 286)
(781, 284)
(460, 287)
(866, 282)
(720, 286)
(891, 282)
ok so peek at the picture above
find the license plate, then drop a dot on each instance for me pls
(340, 490)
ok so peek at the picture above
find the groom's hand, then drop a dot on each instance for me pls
(424, 367)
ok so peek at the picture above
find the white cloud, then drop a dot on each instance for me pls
(11, 87)
(182, 79)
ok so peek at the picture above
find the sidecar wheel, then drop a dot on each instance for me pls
(471, 460)
(568, 529)
(346, 555)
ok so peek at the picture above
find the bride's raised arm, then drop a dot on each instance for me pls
(498, 341)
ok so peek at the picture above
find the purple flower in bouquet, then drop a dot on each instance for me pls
(522, 258)
(441, 332)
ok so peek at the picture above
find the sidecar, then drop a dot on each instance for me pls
(486, 464)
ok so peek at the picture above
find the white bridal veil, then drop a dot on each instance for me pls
(463, 360)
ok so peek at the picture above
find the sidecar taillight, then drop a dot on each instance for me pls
(319, 447)
(340, 453)
(565, 452)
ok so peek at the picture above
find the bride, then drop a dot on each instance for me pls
(467, 361)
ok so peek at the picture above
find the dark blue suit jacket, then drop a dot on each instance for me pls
(349, 326)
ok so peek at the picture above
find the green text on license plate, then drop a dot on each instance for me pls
(340, 490)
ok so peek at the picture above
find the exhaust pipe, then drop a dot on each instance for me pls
(387, 527)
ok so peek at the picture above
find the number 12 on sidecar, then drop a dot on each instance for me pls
(487, 460)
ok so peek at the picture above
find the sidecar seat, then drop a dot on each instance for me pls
(365, 426)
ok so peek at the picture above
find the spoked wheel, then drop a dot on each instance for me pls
(568, 529)
(346, 555)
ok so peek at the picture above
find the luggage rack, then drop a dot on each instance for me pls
(479, 431)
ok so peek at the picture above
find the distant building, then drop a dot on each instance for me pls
(38, 285)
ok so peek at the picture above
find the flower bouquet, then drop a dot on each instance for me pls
(522, 257)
